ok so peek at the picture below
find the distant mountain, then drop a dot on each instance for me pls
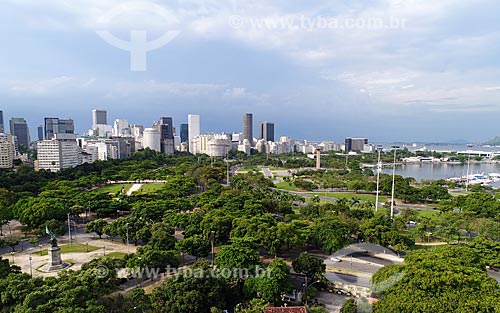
(493, 142)
(459, 142)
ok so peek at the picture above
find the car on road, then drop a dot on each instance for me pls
(334, 259)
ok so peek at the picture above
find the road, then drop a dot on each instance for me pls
(349, 279)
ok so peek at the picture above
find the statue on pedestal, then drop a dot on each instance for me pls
(53, 239)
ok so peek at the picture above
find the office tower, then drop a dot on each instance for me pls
(166, 129)
(248, 127)
(2, 127)
(355, 144)
(20, 129)
(57, 154)
(40, 132)
(267, 131)
(184, 133)
(55, 126)
(151, 139)
(121, 128)
(193, 130)
(99, 117)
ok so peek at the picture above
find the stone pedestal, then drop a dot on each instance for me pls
(55, 256)
(55, 261)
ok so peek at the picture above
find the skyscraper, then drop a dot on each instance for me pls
(99, 117)
(20, 129)
(248, 127)
(355, 144)
(55, 126)
(166, 129)
(184, 133)
(2, 127)
(267, 131)
(193, 129)
(40, 132)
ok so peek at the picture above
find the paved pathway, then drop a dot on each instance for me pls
(134, 188)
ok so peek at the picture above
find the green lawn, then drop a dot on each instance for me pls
(116, 255)
(350, 195)
(285, 186)
(114, 188)
(146, 188)
(75, 247)
(427, 213)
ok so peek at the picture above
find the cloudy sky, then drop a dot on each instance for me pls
(411, 70)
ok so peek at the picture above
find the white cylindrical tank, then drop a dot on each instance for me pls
(151, 139)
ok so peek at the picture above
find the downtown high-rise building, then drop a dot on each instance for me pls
(355, 144)
(7, 151)
(55, 126)
(99, 117)
(248, 127)
(184, 133)
(266, 131)
(20, 129)
(166, 129)
(2, 125)
(194, 127)
(39, 132)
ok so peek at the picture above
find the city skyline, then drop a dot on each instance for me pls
(420, 79)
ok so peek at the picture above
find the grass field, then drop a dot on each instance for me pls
(427, 213)
(286, 186)
(151, 187)
(73, 248)
(350, 195)
(114, 188)
(116, 255)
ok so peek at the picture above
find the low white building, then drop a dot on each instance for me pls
(57, 154)
(215, 145)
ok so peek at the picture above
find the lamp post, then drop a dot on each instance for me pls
(69, 230)
(393, 181)
(306, 287)
(379, 169)
(128, 248)
(40, 246)
(13, 260)
(31, 267)
(212, 237)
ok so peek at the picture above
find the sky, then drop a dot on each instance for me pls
(388, 70)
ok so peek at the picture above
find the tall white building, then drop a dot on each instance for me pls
(193, 130)
(121, 128)
(58, 154)
(151, 139)
(6, 151)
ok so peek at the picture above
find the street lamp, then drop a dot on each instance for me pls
(12, 253)
(379, 169)
(393, 181)
(69, 230)
(31, 267)
(306, 287)
(213, 237)
(128, 248)
(40, 246)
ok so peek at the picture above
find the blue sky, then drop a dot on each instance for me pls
(390, 70)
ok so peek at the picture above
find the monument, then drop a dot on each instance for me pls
(55, 261)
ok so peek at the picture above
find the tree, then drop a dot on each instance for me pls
(237, 256)
(447, 279)
(197, 246)
(309, 265)
(270, 284)
(349, 307)
(97, 226)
